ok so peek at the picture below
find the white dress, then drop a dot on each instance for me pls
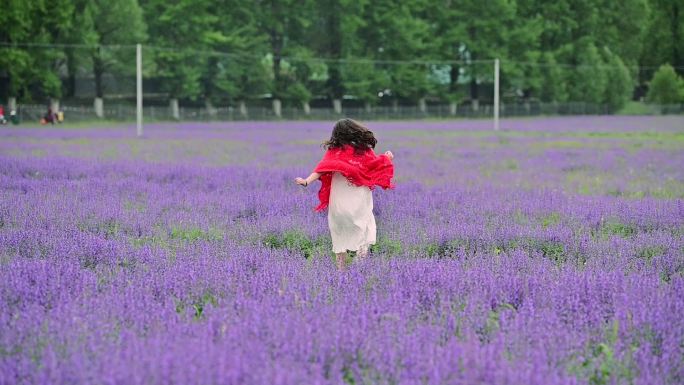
(350, 215)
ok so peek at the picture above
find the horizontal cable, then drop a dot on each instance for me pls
(322, 59)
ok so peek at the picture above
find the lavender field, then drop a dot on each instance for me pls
(551, 252)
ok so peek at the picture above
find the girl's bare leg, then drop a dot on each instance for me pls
(362, 253)
(341, 259)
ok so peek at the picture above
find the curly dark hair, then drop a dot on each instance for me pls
(350, 132)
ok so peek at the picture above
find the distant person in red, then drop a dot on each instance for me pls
(2, 115)
(49, 117)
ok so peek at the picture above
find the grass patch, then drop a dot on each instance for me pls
(624, 230)
(387, 246)
(194, 234)
(446, 248)
(297, 241)
(198, 304)
(649, 252)
(552, 250)
(550, 220)
(599, 364)
(108, 228)
(493, 322)
(511, 164)
(638, 108)
(176, 236)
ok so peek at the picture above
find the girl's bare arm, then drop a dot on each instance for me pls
(309, 179)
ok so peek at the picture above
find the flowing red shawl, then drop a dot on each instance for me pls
(367, 169)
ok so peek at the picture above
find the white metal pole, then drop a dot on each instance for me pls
(496, 94)
(139, 89)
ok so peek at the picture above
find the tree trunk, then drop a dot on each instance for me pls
(243, 109)
(99, 107)
(472, 33)
(71, 74)
(475, 105)
(98, 71)
(277, 108)
(422, 106)
(175, 110)
(337, 106)
(12, 103)
(211, 110)
(367, 107)
(395, 105)
(54, 104)
(474, 94)
(453, 108)
(208, 84)
(335, 38)
(277, 88)
(307, 108)
(453, 82)
(276, 46)
(676, 43)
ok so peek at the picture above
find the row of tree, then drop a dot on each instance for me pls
(568, 50)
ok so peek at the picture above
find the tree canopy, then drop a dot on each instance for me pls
(224, 51)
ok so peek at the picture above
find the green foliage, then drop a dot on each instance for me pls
(550, 220)
(393, 31)
(234, 29)
(32, 72)
(666, 87)
(301, 76)
(637, 108)
(492, 323)
(552, 250)
(662, 40)
(619, 85)
(553, 87)
(649, 252)
(284, 24)
(617, 228)
(194, 234)
(183, 25)
(600, 364)
(111, 22)
(365, 80)
(387, 246)
(622, 27)
(445, 248)
(198, 304)
(589, 79)
(297, 241)
(234, 50)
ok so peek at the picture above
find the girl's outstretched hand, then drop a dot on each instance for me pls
(389, 154)
(310, 179)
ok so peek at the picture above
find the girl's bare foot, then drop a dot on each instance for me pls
(362, 254)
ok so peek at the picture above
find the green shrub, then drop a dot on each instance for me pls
(665, 87)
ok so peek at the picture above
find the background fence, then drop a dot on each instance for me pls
(100, 82)
(32, 113)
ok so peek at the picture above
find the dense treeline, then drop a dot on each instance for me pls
(597, 51)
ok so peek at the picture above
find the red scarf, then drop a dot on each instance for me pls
(367, 169)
